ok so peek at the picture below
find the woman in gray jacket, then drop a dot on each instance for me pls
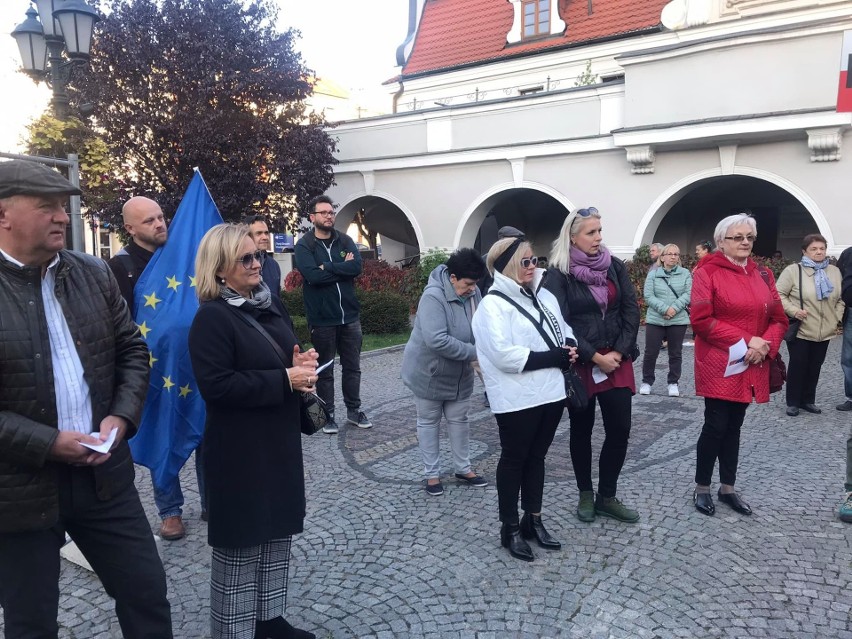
(436, 365)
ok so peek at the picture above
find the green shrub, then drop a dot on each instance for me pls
(300, 328)
(428, 263)
(294, 301)
(383, 312)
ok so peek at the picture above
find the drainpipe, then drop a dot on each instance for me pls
(397, 96)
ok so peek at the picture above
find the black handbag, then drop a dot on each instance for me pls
(792, 332)
(575, 391)
(313, 412)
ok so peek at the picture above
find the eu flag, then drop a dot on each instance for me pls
(164, 305)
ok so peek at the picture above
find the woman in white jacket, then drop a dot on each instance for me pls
(523, 377)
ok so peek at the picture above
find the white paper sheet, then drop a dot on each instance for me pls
(103, 447)
(321, 368)
(736, 359)
(597, 374)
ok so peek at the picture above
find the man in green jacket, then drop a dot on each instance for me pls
(329, 263)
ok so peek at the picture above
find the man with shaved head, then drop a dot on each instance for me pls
(146, 225)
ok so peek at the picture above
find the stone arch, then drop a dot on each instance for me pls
(666, 201)
(472, 220)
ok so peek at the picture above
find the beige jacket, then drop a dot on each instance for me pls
(823, 315)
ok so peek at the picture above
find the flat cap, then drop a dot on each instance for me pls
(23, 177)
(509, 231)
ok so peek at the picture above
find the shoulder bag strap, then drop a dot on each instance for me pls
(801, 303)
(547, 338)
(248, 319)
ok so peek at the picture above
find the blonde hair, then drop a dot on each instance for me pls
(667, 248)
(513, 268)
(219, 248)
(560, 256)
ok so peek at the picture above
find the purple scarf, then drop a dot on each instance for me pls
(591, 270)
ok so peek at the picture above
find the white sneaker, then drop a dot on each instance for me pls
(673, 390)
(645, 389)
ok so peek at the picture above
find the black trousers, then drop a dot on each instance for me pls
(616, 410)
(525, 437)
(806, 360)
(116, 540)
(346, 340)
(719, 439)
(654, 336)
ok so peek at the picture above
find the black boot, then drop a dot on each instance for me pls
(531, 526)
(510, 537)
(279, 628)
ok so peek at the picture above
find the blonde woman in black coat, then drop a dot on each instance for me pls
(253, 449)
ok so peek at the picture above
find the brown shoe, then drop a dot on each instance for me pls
(172, 528)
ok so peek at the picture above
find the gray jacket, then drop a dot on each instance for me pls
(436, 362)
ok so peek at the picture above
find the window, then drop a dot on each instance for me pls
(536, 18)
(105, 245)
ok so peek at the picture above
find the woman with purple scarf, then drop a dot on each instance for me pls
(598, 300)
(810, 293)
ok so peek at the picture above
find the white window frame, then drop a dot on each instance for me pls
(516, 33)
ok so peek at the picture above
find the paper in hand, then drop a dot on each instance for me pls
(320, 369)
(103, 447)
(736, 359)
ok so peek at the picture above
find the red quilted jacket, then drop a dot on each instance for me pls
(730, 303)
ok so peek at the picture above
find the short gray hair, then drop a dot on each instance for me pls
(726, 223)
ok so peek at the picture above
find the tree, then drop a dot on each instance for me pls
(360, 221)
(212, 84)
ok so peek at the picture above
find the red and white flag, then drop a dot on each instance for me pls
(844, 91)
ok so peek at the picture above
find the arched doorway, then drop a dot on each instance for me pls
(536, 211)
(399, 241)
(690, 215)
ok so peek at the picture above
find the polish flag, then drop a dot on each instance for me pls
(844, 91)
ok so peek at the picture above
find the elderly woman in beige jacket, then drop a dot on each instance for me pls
(817, 303)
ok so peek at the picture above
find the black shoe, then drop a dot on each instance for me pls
(476, 480)
(847, 405)
(510, 537)
(704, 503)
(792, 411)
(733, 500)
(811, 408)
(531, 526)
(279, 628)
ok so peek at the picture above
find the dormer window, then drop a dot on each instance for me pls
(535, 19)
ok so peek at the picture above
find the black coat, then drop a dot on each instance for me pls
(252, 442)
(595, 331)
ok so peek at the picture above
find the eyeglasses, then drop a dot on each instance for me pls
(326, 213)
(740, 238)
(249, 258)
(587, 211)
(529, 261)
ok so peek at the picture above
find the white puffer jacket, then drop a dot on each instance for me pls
(504, 339)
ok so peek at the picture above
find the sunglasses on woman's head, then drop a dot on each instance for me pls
(529, 261)
(587, 211)
(248, 259)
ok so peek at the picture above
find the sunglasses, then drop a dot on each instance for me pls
(529, 261)
(739, 238)
(587, 211)
(249, 258)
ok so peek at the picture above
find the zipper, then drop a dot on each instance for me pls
(337, 285)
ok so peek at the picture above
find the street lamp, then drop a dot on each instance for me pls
(66, 26)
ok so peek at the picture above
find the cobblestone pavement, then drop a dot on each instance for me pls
(381, 558)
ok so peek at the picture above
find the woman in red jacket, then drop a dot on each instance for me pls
(734, 303)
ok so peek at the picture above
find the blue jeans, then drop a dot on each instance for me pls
(344, 340)
(170, 501)
(846, 356)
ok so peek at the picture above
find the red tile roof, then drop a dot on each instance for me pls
(459, 32)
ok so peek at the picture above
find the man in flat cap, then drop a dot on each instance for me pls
(72, 362)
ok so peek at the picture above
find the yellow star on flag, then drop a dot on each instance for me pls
(173, 283)
(152, 300)
(185, 390)
(151, 359)
(168, 383)
(192, 281)
(144, 329)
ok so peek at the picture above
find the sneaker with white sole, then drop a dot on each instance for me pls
(645, 389)
(331, 427)
(674, 391)
(358, 418)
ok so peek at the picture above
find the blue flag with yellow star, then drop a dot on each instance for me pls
(164, 306)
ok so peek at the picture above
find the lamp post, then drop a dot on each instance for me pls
(51, 29)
